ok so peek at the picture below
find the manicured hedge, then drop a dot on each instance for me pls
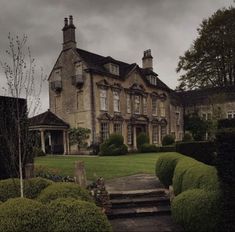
(146, 148)
(75, 215)
(142, 139)
(23, 215)
(64, 190)
(225, 139)
(10, 188)
(197, 210)
(202, 151)
(168, 140)
(114, 145)
(33, 187)
(165, 167)
(190, 174)
(197, 191)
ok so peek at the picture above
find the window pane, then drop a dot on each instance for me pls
(154, 106)
(103, 99)
(117, 127)
(155, 134)
(129, 134)
(128, 103)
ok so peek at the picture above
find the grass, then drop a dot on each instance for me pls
(107, 167)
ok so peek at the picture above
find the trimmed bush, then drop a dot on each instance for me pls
(146, 147)
(37, 151)
(34, 186)
(225, 164)
(22, 214)
(190, 174)
(113, 146)
(187, 137)
(64, 190)
(165, 167)
(197, 210)
(203, 151)
(74, 215)
(168, 140)
(10, 188)
(142, 139)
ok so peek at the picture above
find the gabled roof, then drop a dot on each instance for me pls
(96, 63)
(206, 95)
(47, 119)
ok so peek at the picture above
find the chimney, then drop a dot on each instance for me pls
(147, 60)
(69, 40)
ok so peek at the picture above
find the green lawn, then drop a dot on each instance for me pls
(108, 167)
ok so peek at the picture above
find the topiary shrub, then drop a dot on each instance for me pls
(63, 190)
(22, 214)
(187, 137)
(75, 215)
(190, 174)
(168, 140)
(142, 139)
(165, 167)
(34, 186)
(113, 146)
(146, 147)
(203, 151)
(197, 210)
(9, 188)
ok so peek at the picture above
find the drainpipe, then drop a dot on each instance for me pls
(93, 113)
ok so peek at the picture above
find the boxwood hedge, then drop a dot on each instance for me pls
(165, 167)
(63, 190)
(196, 186)
(75, 215)
(22, 214)
(10, 188)
(197, 210)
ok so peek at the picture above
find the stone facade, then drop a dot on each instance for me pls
(107, 95)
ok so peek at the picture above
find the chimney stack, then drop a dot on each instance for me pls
(147, 60)
(69, 40)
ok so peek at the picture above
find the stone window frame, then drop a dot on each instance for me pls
(155, 134)
(117, 128)
(104, 130)
(162, 109)
(129, 134)
(128, 103)
(154, 106)
(145, 108)
(135, 104)
(116, 101)
(103, 105)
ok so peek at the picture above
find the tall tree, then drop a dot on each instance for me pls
(22, 82)
(210, 61)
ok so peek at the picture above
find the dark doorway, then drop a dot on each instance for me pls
(140, 129)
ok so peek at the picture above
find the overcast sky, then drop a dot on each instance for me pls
(122, 29)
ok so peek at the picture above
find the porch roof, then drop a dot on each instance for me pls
(47, 120)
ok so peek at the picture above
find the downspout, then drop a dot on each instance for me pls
(93, 113)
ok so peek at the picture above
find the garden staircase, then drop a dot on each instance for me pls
(137, 203)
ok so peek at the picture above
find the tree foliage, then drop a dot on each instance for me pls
(210, 61)
(78, 136)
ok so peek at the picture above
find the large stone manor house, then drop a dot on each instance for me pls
(107, 96)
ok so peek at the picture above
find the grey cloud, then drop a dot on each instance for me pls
(121, 29)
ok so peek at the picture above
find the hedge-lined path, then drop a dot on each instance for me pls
(139, 204)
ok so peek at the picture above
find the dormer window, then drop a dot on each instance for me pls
(152, 79)
(77, 79)
(113, 68)
(56, 83)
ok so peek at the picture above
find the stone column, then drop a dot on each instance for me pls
(134, 138)
(159, 135)
(80, 174)
(65, 142)
(43, 147)
(150, 133)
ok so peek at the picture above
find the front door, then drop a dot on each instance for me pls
(140, 129)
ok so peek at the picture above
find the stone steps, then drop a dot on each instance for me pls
(137, 193)
(138, 203)
(141, 202)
